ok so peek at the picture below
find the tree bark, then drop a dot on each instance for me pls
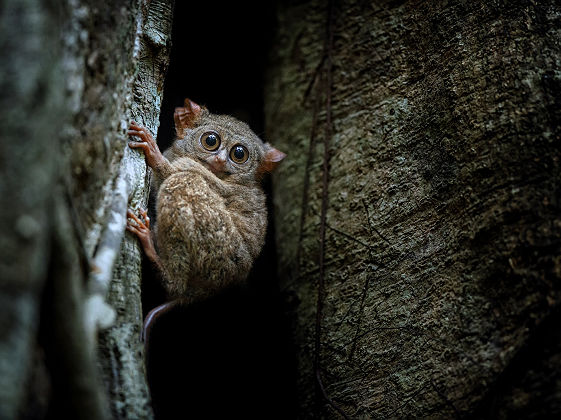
(418, 211)
(75, 74)
(121, 348)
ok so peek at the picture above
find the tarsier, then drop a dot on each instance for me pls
(210, 206)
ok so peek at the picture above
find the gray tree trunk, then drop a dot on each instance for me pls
(73, 75)
(418, 212)
(31, 95)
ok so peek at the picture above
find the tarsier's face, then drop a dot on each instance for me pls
(227, 147)
(223, 144)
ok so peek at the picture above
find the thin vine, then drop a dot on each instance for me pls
(328, 48)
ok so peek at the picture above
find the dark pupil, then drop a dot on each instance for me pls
(211, 140)
(239, 153)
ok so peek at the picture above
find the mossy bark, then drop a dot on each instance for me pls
(441, 269)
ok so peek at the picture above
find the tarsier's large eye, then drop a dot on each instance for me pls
(210, 141)
(239, 154)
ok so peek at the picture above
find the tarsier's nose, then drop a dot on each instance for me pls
(218, 163)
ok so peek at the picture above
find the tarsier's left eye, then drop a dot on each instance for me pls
(239, 153)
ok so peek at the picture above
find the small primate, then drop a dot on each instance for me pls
(210, 205)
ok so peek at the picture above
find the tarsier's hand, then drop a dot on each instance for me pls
(146, 142)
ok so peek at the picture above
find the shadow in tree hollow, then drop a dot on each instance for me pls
(230, 356)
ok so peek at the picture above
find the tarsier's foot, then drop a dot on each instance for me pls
(141, 228)
(146, 143)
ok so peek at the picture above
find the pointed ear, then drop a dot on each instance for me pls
(187, 116)
(271, 159)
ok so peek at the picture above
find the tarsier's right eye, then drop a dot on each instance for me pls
(210, 141)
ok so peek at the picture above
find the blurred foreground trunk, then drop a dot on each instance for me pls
(73, 74)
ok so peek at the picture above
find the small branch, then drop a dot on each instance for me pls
(313, 79)
(327, 398)
(324, 206)
(349, 237)
(370, 227)
(306, 188)
(446, 400)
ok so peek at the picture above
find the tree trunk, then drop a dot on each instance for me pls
(418, 211)
(74, 75)
(30, 99)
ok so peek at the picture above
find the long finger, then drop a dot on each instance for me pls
(144, 214)
(133, 229)
(138, 133)
(131, 215)
(138, 145)
(144, 136)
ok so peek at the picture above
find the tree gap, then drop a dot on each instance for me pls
(231, 355)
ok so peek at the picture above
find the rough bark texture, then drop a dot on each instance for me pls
(75, 74)
(440, 284)
(122, 349)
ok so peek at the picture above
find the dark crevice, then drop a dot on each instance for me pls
(229, 357)
(519, 391)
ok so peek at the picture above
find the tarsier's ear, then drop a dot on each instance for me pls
(271, 159)
(187, 116)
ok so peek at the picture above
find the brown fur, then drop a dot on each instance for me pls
(210, 225)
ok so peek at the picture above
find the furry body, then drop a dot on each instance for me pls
(209, 231)
(210, 206)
